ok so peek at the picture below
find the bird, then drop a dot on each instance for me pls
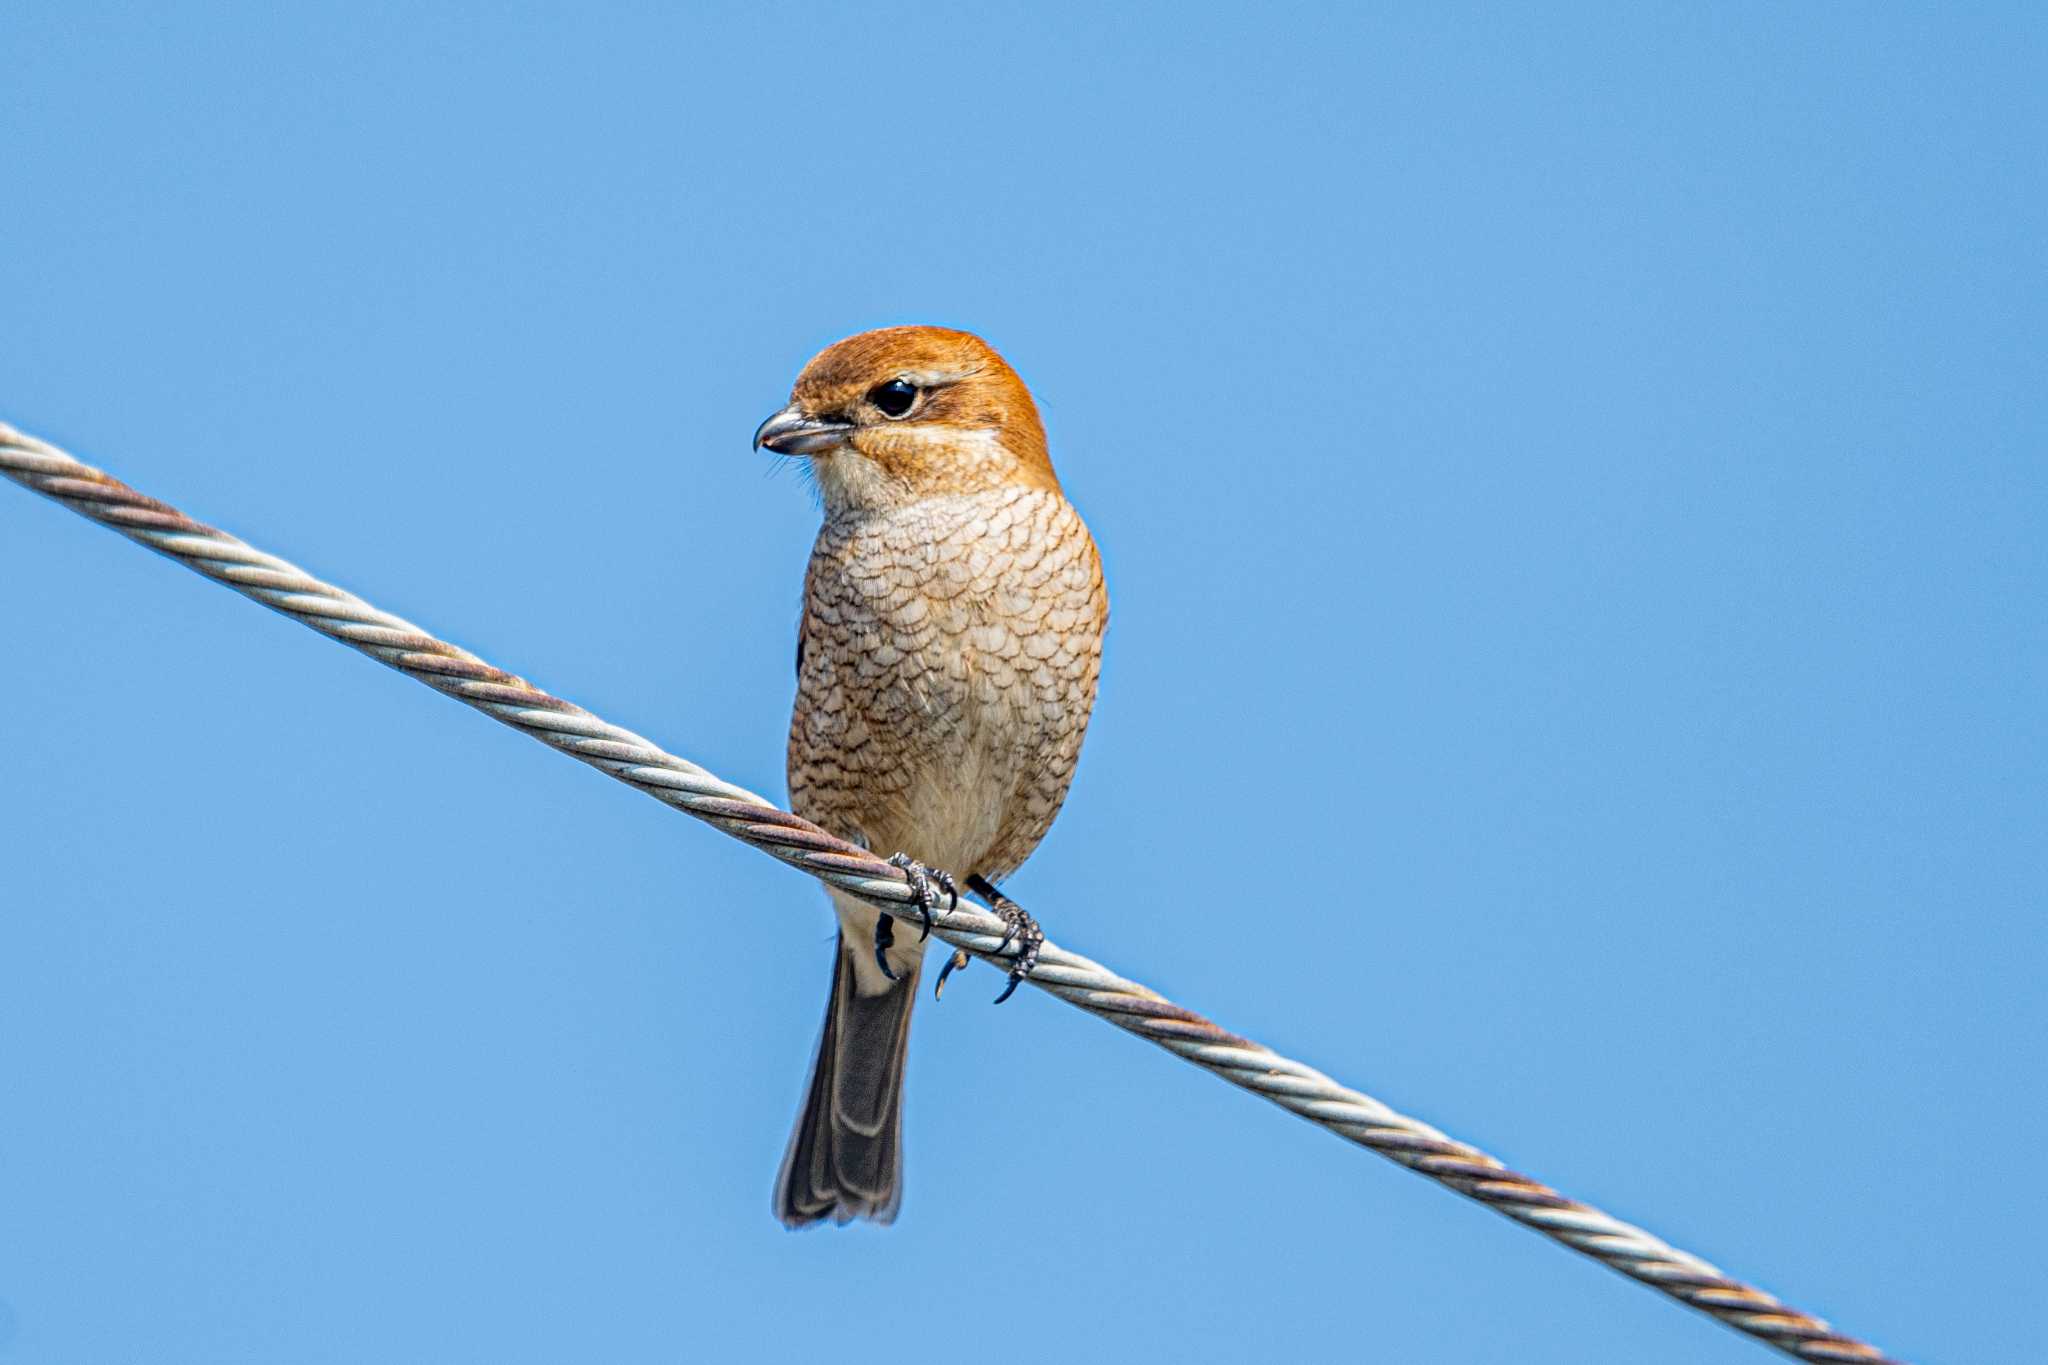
(946, 667)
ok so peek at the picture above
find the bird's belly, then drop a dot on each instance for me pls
(946, 680)
(967, 771)
(935, 750)
(954, 736)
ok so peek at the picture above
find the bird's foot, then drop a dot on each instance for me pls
(1019, 928)
(922, 879)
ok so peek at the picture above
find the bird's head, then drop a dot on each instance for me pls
(892, 416)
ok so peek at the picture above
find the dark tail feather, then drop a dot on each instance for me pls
(845, 1159)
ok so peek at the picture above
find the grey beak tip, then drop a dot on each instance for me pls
(791, 433)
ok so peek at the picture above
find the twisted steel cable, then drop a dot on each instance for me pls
(1134, 1008)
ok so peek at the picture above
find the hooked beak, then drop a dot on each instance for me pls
(790, 432)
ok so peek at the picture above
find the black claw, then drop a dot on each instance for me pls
(885, 939)
(958, 960)
(952, 890)
(921, 878)
(1018, 928)
(1027, 962)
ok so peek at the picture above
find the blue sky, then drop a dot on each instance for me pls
(1583, 470)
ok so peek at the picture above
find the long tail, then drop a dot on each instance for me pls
(845, 1159)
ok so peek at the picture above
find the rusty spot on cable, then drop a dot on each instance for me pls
(145, 517)
(517, 693)
(1197, 1029)
(1497, 1191)
(450, 665)
(1392, 1140)
(728, 808)
(1460, 1167)
(859, 863)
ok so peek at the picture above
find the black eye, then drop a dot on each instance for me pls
(893, 398)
